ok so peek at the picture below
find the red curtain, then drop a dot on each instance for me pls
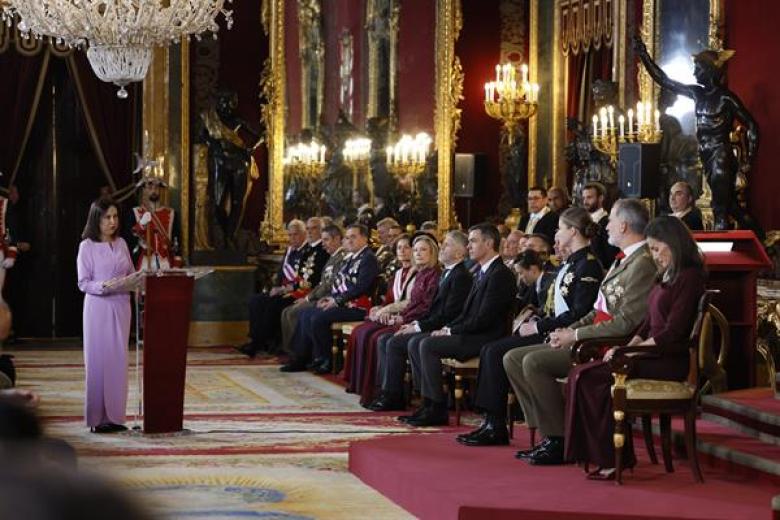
(20, 93)
(112, 122)
(584, 69)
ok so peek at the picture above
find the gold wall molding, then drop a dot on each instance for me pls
(560, 83)
(585, 24)
(533, 72)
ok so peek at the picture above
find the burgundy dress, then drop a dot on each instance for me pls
(363, 360)
(589, 422)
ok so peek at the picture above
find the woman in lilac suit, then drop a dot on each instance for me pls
(103, 257)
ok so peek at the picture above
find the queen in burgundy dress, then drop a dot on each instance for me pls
(103, 256)
(671, 311)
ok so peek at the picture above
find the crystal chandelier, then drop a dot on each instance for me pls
(119, 35)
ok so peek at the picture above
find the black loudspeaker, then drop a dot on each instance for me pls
(469, 169)
(639, 170)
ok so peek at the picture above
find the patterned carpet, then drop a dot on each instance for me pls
(258, 443)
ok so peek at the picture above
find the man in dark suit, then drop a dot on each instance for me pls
(349, 300)
(454, 287)
(593, 199)
(683, 205)
(484, 318)
(300, 271)
(540, 218)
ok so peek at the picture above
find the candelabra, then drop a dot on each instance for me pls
(305, 160)
(408, 157)
(509, 100)
(357, 155)
(644, 128)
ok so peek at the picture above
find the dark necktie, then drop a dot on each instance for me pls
(444, 275)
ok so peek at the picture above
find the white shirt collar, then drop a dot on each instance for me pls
(357, 253)
(489, 263)
(545, 210)
(452, 266)
(597, 215)
(315, 244)
(681, 214)
(633, 247)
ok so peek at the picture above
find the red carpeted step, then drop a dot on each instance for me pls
(434, 477)
(754, 411)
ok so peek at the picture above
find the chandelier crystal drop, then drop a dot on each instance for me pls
(119, 35)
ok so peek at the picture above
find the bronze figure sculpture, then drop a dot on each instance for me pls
(230, 143)
(717, 109)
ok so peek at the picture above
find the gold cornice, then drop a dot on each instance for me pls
(649, 32)
(560, 86)
(717, 24)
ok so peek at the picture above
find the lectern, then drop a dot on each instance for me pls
(734, 259)
(166, 323)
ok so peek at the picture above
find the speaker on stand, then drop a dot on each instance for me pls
(639, 171)
(468, 170)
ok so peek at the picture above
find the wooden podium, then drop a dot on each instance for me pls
(166, 323)
(734, 272)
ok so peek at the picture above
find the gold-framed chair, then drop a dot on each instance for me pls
(339, 331)
(646, 397)
(460, 370)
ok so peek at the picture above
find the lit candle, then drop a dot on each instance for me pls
(630, 120)
(648, 113)
(487, 92)
(604, 122)
(621, 122)
(595, 125)
(640, 113)
(536, 92)
(611, 112)
(524, 70)
(498, 73)
(657, 121)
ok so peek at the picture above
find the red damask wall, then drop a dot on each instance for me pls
(416, 67)
(479, 48)
(751, 29)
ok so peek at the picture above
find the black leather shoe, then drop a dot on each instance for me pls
(472, 433)
(387, 403)
(552, 455)
(524, 454)
(324, 368)
(431, 417)
(108, 428)
(491, 435)
(293, 366)
(248, 349)
(414, 415)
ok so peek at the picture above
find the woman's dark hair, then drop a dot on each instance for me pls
(97, 211)
(400, 238)
(672, 232)
(579, 219)
(530, 258)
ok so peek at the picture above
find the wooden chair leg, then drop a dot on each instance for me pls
(666, 441)
(532, 433)
(334, 351)
(619, 436)
(458, 397)
(690, 446)
(510, 420)
(647, 431)
(408, 385)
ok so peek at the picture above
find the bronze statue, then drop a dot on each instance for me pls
(230, 143)
(717, 109)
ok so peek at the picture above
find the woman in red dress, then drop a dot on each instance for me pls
(671, 311)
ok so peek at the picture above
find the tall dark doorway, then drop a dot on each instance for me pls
(58, 179)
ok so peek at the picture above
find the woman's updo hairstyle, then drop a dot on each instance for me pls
(579, 219)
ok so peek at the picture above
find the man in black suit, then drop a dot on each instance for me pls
(683, 205)
(349, 300)
(300, 271)
(454, 287)
(540, 218)
(484, 318)
(593, 197)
